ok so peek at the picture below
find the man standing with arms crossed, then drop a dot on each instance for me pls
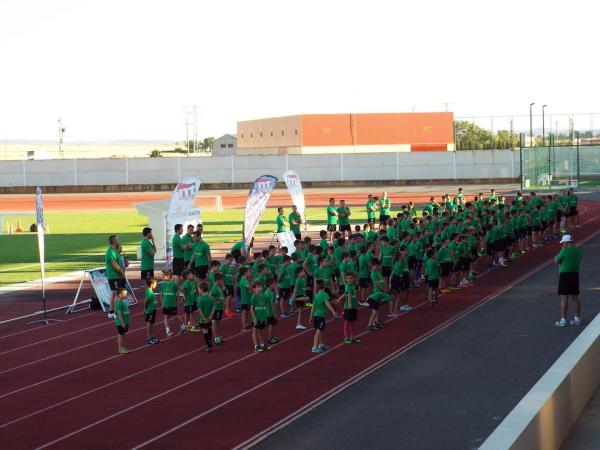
(568, 260)
(148, 250)
(114, 273)
(332, 218)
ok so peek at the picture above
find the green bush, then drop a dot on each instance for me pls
(155, 154)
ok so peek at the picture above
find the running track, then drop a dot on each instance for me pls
(62, 386)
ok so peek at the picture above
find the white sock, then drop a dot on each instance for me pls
(168, 330)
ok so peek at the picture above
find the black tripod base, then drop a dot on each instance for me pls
(44, 321)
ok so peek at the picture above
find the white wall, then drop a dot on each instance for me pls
(479, 164)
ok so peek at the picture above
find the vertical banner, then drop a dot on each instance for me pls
(258, 197)
(182, 200)
(292, 181)
(39, 209)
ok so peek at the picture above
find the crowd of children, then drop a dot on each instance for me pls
(367, 266)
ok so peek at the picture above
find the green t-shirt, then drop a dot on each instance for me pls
(343, 215)
(385, 206)
(371, 206)
(572, 201)
(201, 253)
(227, 271)
(332, 218)
(350, 297)
(364, 262)
(300, 287)
(400, 266)
(260, 305)
(320, 304)
(190, 292)
(295, 217)
(121, 306)
(147, 259)
(272, 302)
(237, 246)
(187, 254)
(168, 291)
(282, 224)
(205, 304)
(111, 255)
(378, 283)
(387, 255)
(177, 250)
(346, 267)
(217, 295)
(283, 278)
(432, 270)
(311, 264)
(245, 292)
(569, 259)
(150, 304)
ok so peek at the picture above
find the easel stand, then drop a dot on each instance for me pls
(45, 320)
(73, 308)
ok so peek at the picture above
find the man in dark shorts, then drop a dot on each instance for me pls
(332, 218)
(148, 250)
(568, 260)
(114, 273)
(179, 247)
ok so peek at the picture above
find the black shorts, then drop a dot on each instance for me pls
(236, 254)
(536, 228)
(319, 323)
(331, 227)
(145, 274)
(544, 225)
(529, 231)
(489, 249)
(558, 216)
(204, 325)
(170, 311)
(345, 227)
(245, 307)
(299, 304)
(400, 283)
(285, 293)
(190, 308)
(271, 320)
(573, 212)
(412, 262)
(386, 271)
(150, 317)
(228, 291)
(463, 264)
(433, 284)
(116, 284)
(446, 268)
(122, 330)
(373, 304)
(371, 220)
(383, 218)
(350, 314)
(260, 325)
(178, 266)
(522, 233)
(298, 236)
(568, 283)
(217, 315)
(201, 271)
(364, 282)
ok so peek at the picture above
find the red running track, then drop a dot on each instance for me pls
(68, 389)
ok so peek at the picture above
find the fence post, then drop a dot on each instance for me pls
(512, 163)
(179, 169)
(397, 165)
(577, 150)
(126, 171)
(232, 168)
(341, 167)
(521, 141)
(24, 174)
(286, 163)
(75, 170)
(454, 164)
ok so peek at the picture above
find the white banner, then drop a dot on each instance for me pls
(287, 239)
(292, 181)
(182, 201)
(258, 197)
(39, 209)
(102, 288)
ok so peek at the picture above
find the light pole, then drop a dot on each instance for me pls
(61, 131)
(544, 143)
(543, 125)
(531, 124)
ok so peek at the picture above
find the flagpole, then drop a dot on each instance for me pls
(40, 233)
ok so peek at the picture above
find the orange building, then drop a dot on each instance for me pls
(346, 133)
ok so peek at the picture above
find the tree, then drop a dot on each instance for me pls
(472, 137)
(207, 143)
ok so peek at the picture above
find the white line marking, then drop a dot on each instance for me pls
(10, 269)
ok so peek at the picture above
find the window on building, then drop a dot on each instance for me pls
(261, 134)
(296, 132)
(242, 135)
(250, 135)
(271, 134)
(282, 132)
(222, 145)
(230, 145)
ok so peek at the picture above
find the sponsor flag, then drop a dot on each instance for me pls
(182, 200)
(39, 209)
(258, 197)
(292, 181)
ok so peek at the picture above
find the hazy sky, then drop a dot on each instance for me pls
(126, 69)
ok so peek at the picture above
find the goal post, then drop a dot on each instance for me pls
(209, 202)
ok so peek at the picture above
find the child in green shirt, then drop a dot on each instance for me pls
(150, 310)
(259, 308)
(206, 309)
(319, 313)
(122, 320)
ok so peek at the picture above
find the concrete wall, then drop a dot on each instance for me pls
(463, 165)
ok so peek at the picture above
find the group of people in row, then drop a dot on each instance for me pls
(369, 266)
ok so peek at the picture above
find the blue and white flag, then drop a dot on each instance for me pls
(292, 181)
(258, 197)
(182, 200)
(39, 209)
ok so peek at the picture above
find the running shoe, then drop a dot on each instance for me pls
(228, 314)
(363, 304)
(324, 347)
(561, 323)
(300, 327)
(317, 350)
(170, 334)
(218, 340)
(194, 330)
(123, 351)
(209, 349)
(406, 308)
(152, 342)
(284, 315)
(112, 316)
(356, 341)
(575, 322)
(273, 341)
(348, 341)
(309, 304)
(258, 348)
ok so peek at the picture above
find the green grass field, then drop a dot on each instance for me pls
(78, 240)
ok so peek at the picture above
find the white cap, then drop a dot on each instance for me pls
(566, 238)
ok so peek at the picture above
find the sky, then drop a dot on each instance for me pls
(127, 69)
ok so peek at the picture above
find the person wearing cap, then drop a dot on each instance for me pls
(568, 260)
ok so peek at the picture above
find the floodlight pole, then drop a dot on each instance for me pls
(531, 124)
